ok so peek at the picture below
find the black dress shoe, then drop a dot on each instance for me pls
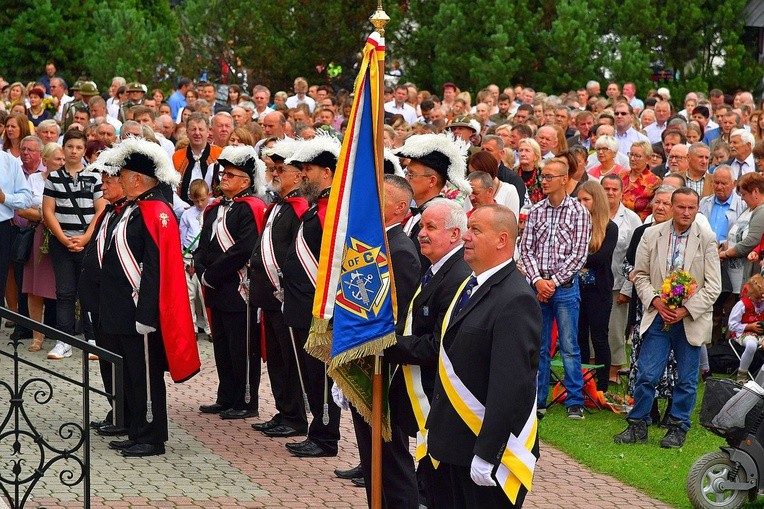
(140, 450)
(282, 431)
(262, 426)
(111, 431)
(121, 444)
(359, 482)
(100, 424)
(214, 408)
(294, 446)
(312, 450)
(353, 473)
(238, 414)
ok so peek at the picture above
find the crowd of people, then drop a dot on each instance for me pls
(520, 225)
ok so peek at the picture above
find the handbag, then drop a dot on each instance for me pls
(22, 244)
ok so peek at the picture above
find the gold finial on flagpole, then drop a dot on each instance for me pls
(379, 19)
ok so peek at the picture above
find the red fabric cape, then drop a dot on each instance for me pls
(177, 328)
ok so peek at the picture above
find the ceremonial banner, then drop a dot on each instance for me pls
(354, 306)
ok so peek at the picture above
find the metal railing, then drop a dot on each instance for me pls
(31, 455)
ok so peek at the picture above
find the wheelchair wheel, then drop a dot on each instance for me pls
(703, 483)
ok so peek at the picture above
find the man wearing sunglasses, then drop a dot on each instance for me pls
(624, 130)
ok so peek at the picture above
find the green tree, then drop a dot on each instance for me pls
(136, 41)
(37, 31)
(450, 44)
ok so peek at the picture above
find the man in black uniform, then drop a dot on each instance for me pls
(231, 227)
(434, 160)
(440, 237)
(317, 158)
(90, 282)
(150, 327)
(282, 220)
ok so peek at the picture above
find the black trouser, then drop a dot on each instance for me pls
(229, 333)
(6, 238)
(109, 343)
(318, 386)
(428, 484)
(131, 348)
(399, 486)
(67, 267)
(593, 319)
(281, 355)
(465, 494)
(18, 275)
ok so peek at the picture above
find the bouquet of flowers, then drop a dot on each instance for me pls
(50, 104)
(677, 288)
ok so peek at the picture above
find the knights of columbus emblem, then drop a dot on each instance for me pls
(364, 279)
(163, 218)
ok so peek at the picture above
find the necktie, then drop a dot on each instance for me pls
(427, 277)
(225, 202)
(415, 211)
(465, 295)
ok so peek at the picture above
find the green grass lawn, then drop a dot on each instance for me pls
(661, 473)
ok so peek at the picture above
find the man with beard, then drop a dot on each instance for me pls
(317, 159)
(282, 221)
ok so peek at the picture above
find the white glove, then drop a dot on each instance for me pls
(339, 398)
(143, 329)
(480, 472)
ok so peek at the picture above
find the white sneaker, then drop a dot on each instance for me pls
(92, 356)
(60, 351)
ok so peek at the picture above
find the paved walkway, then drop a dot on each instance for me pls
(226, 464)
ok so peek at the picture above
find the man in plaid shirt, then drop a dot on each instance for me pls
(553, 249)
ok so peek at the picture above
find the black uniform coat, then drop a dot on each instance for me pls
(422, 347)
(219, 268)
(284, 230)
(90, 280)
(116, 310)
(493, 344)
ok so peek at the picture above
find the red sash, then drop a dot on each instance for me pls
(177, 328)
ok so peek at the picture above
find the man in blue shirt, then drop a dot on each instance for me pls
(178, 98)
(15, 194)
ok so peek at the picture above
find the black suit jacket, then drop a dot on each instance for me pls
(511, 177)
(493, 344)
(218, 268)
(422, 346)
(405, 262)
(90, 277)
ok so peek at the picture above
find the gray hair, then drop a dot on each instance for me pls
(457, 217)
(745, 136)
(120, 80)
(485, 179)
(664, 189)
(496, 139)
(727, 168)
(608, 142)
(35, 139)
(45, 124)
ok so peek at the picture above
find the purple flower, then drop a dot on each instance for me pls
(678, 290)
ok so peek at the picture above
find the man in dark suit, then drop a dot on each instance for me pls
(399, 487)
(443, 223)
(282, 220)
(231, 227)
(484, 410)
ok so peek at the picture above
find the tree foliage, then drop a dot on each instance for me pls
(552, 45)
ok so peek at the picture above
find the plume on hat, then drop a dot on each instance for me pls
(245, 158)
(444, 153)
(392, 160)
(142, 156)
(282, 149)
(318, 150)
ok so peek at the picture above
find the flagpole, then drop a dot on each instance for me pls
(379, 19)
